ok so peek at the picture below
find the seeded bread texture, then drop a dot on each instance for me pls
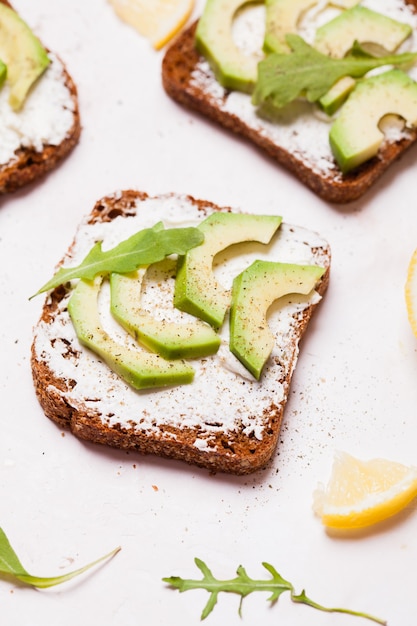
(179, 65)
(160, 426)
(29, 165)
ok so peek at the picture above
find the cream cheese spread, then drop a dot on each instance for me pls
(223, 395)
(45, 119)
(300, 128)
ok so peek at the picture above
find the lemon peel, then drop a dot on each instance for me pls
(362, 493)
(157, 20)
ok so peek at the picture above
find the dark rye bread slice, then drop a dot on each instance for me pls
(224, 420)
(30, 164)
(188, 80)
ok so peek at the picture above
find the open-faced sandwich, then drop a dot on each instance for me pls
(39, 116)
(172, 328)
(325, 87)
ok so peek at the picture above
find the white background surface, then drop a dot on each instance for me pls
(64, 503)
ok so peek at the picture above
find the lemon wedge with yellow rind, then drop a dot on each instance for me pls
(157, 20)
(362, 493)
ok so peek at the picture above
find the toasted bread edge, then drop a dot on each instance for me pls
(233, 454)
(30, 165)
(178, 65)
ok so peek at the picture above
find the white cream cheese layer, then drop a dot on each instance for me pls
(223, 395)
(301, 129)
(45, 118)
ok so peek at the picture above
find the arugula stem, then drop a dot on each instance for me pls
(303, 599)
(10, 565)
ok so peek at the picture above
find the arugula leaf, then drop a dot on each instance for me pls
(243, 585)
(284, 77)
(11, 565)
(144, 247)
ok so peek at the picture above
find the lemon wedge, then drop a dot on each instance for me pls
(157, 20)
(361, 493)
(411, 292)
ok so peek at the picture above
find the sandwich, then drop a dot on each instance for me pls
(40, 121)
(285, 75)
(188, 353)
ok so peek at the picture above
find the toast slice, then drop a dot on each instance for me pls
(224, 420)
(30, 145)
(299, 143)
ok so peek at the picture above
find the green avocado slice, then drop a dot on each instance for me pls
(171, 340)
(197, 291)
(214, 40)
(3, 73)
(355, 136)
(254, 290)
(22, 52)
(336, 37)
(140, 369)
(282, 18)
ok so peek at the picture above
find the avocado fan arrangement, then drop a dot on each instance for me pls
(358, 84)
(197, 292)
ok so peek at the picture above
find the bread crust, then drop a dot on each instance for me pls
(29, 165)
(231, 452)
(178, 65)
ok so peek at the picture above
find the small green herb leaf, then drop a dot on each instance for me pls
(11, 566)
(146, 246)
(243, 585)
(284, 77)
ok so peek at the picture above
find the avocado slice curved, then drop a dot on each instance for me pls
(355, 136)
(140, 369)
(283, 16)
(171, 340)
(233, 69)
(196, 289)
(254, 290)
(336, 37)
(22, 52)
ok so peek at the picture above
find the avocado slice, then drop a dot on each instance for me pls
(3, 73)
(232, 68)
(336, 96)
(171, 340)
(283, 16)
(254, 290)
(355, 136)
(196, 289)
(25, 57)
(336, 37)
(139, 369)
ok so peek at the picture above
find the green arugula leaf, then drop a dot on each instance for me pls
(11, 566)
(284, 77)
(243, 585)
(144, 247)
